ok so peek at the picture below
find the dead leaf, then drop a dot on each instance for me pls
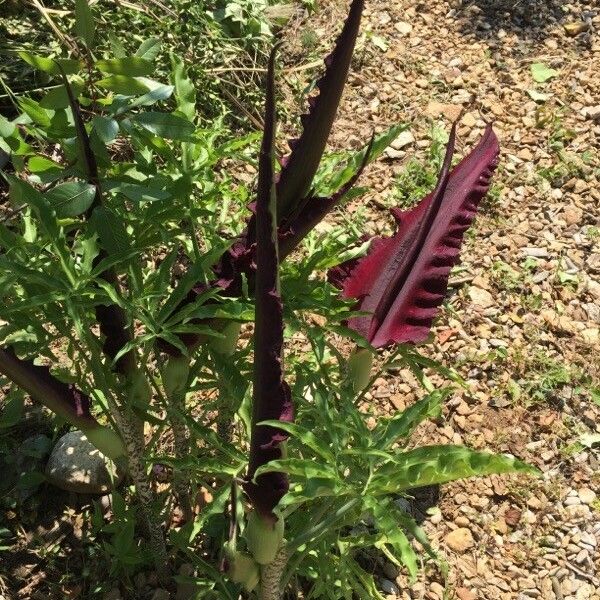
(512, 516)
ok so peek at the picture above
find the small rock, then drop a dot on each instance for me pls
(572, 215)
(463, 593)
(525, 154)
(481, 297)
(500, 526)
(436, 109)
(75, 465)
(591, 112)
(393, 153)
(398, 401)
(460, 540)
(536, 252)
(593, 262)
(586, 495)
(462, 521)
(469, 120)
(436, 517)
(389, 587)
(404, 139)
(451, 74)
(390, 570)
(463, 409)
(161, 594)
(589, 539)
(574, 29)
(572, 501)
(584, 592)
(403, 27)
(591, 336)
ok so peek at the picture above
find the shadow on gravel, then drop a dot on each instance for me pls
(529, 20)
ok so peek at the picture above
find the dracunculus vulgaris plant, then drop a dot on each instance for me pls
(392, 295)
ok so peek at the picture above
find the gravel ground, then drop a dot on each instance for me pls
(522, 323)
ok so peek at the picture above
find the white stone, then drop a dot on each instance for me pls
(481, 297)
(586, 495)
(403, 27)
(75, 465)
(404, 139)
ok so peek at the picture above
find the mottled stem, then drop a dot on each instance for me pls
(181, 445)
(225, 414)
(271, 575)
(175, 373)
(137, 469)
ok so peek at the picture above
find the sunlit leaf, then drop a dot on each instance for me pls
(124, 84)
(165, 125)
(542, 73)
(132, 66)
(106, 128)
(71, 199)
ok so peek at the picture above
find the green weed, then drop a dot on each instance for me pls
(417, 179)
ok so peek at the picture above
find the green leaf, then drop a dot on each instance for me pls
(388, 431)
(116, 46)
(388, 524)
(149, 49)
(69, 65)
(58, 98)
(84, 22)
(162, 92)
(20, 192)
(183, 287)
(112, 235)
(123, 84)
(542, 73)
(31, 480)
(165, 125)
(141, 193)
(40, 164)
(12, 410)
(133, 66)
(306, 437)
(305, 469)
(45, 169)
(106, 128)
(71, 199)
(35, 112)
(7, 128)
(430, 465)
(38, 62)
(327, 183)
(185, 92)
